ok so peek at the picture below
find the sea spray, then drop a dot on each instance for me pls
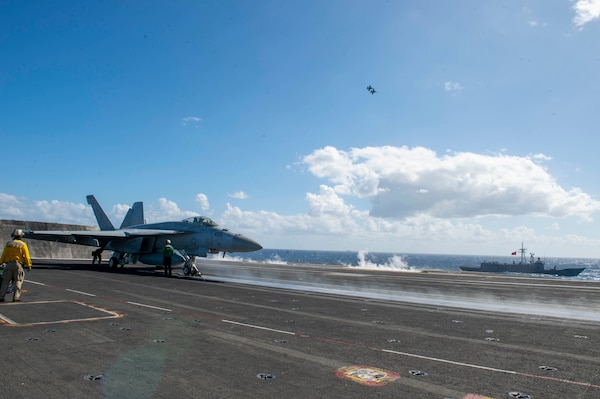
(395, 262)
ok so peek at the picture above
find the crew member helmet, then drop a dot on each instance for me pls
(168, 241)
(18, 233)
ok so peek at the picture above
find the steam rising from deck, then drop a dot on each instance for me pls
(331, 278)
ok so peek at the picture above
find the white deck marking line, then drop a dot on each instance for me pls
(79, 292)
(434, 359)
(34, 282)
(111, 314)
(586, 384)
(44, 323)
(6, 319)
(148, 306)
(258, 327)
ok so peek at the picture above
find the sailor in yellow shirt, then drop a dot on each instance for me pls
(15, 255)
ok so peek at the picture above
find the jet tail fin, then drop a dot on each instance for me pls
(103, 221)
(135, 215)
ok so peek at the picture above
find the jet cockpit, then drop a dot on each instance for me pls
(200, 221)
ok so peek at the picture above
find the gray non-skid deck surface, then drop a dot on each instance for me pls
(90, 333)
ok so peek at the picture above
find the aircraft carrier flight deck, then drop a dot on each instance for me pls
(257, 330)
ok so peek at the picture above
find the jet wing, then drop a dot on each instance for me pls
(147, 232)
(97, 238)
(69, 237)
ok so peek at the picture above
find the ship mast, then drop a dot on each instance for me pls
(522, 250)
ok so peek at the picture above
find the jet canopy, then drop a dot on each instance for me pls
(200, 221)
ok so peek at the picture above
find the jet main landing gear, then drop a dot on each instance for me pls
(116, 260)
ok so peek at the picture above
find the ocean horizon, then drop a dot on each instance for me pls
(406, 261)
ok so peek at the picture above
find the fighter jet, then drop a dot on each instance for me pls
(370, 89)
(136, 241)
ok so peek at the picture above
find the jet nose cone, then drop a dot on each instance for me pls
(244, 244)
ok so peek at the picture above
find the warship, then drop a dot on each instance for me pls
(533, 266)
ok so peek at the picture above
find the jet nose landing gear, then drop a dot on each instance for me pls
(189, 267)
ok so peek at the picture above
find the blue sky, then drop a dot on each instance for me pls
(482, 132)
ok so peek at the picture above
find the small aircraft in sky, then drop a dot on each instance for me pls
(370, 89)
(137, 241)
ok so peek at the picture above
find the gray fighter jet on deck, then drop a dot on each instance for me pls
(136, 241)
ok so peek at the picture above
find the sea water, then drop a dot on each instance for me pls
(407, 262)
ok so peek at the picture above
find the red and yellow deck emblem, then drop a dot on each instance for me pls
(366, 375)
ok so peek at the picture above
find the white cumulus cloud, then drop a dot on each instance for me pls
(585, 12)
(191, 121)
(403, 182)
(18, 208)
(202, 201)
(164, 209)
(452, 87)
(239, 195)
